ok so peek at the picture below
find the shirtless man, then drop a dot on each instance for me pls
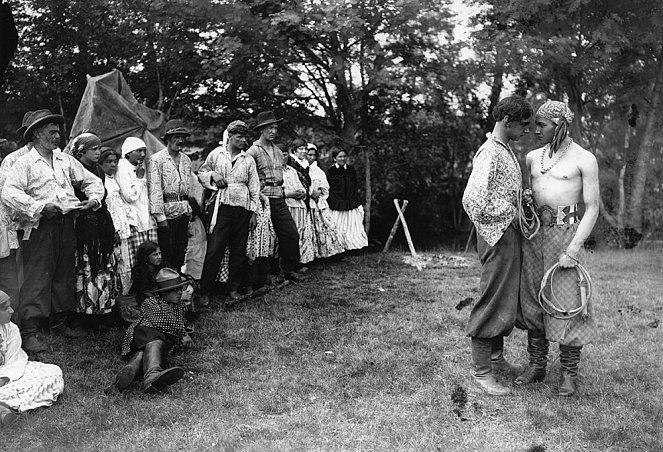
(562, 175)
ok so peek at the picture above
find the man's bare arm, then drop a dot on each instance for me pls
(590, 194)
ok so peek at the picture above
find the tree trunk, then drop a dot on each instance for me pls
(369, 192)
(642, 164)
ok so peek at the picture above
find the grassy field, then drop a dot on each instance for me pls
(368, 357)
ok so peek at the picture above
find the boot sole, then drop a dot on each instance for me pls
(167, 378)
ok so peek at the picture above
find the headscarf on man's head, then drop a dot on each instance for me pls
(560, 114)
(81, 144)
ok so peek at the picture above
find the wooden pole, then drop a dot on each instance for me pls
(405, 229)
(394, 228)
(469, 239)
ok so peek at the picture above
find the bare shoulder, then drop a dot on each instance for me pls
(586, 160)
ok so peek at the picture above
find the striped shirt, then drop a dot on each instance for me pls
(270, 169)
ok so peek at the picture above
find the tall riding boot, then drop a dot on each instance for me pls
(497, 358)
(569, 358)
(155, 378)
(537, 349)
(483, 370)
(127, 374)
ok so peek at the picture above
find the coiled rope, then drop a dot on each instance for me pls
(528, 220)
(552, 307)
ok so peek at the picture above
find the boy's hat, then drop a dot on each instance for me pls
(169, 279)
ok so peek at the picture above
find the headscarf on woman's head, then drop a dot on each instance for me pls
(81, 144)
(560, 114)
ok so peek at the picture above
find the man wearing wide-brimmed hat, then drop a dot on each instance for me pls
(148, 340)
(40, 190)
(169, 183)
(269, 161)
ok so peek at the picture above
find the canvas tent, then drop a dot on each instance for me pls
(110, 110)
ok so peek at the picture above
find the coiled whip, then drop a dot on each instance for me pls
(552, 307)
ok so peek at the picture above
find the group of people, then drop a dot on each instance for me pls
(90, 225)
(520, 246)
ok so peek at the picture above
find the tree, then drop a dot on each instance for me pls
(601, 57)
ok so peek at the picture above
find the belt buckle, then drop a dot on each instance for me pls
(561, 215)
(547, 217)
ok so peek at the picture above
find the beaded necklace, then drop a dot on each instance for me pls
(559, 156)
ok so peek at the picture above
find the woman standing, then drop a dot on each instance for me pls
(295, 198)
(118, 212)
(325, 235)
(346, 210)
(97, 284)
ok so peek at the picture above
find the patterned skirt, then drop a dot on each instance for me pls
(136, 239)
(539, 254)
(96, 293)
(302, 220)
(350, 227)
(40, 385)
(325, 237)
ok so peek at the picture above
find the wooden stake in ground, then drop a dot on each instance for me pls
(405, 229)
(394, 228)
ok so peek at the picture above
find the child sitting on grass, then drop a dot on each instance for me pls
(24, 384)
(148, 340)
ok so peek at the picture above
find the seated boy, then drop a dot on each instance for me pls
(148, 340)
(24, 384)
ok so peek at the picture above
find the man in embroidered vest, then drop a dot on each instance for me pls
(168, 188)
(562, 175)
(269, 162)
(232, 174)
(490, 200)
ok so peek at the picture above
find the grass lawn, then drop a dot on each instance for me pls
(368, 357)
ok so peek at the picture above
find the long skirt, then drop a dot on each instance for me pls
(350, 227)
(302, 220)
(325, 237)
(539, 254)
(40, 385)
(96, 293)
(123, 260)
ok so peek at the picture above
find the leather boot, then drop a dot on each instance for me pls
(155, 378)
(7, 415)
(537, 349)
(127, 374)
(497, 358)
(483, 370)
(569, 358)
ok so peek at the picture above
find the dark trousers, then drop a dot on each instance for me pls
(494, 314)
(49, 257)
(173, 241)
(287, 234)
(231, 229)
(9, 280)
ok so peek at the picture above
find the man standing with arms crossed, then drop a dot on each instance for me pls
(232, 173)
(562, 175)
(269, 162)
(490, 200)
